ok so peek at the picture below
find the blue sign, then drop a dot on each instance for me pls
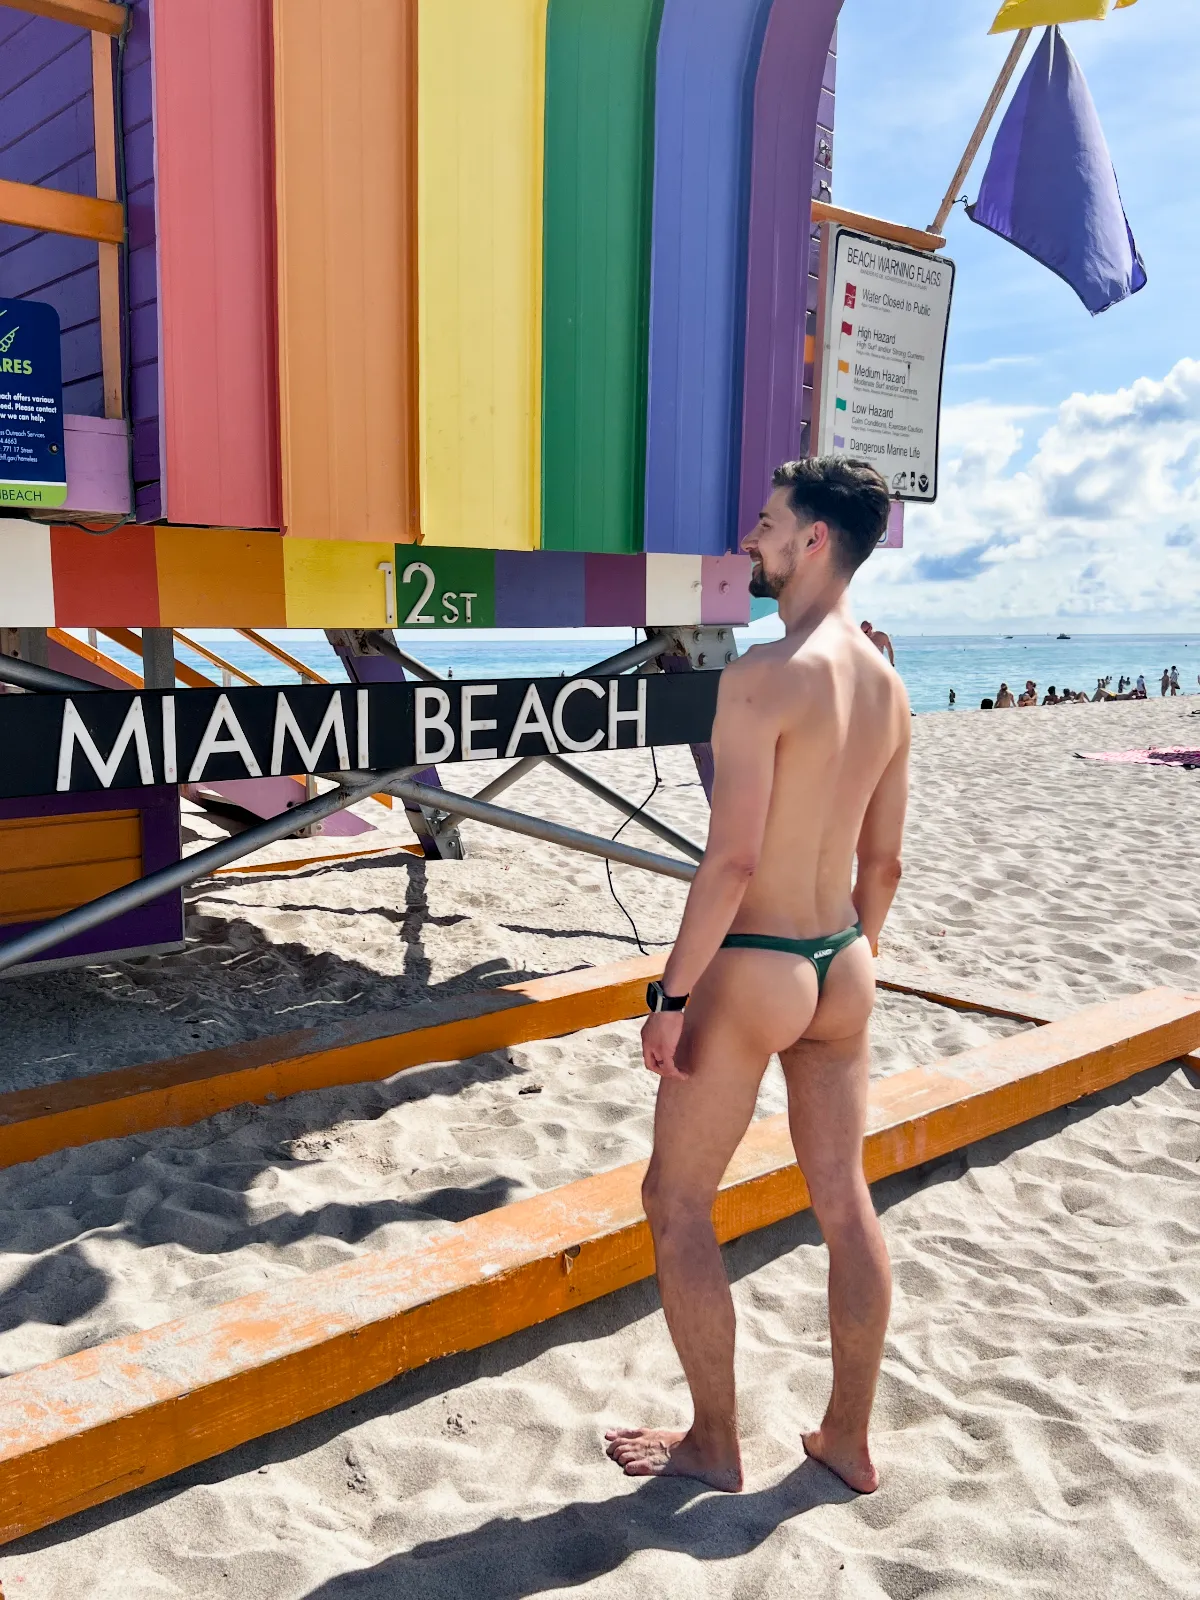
(33, 463)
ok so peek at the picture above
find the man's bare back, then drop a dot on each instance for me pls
(843, 715)
(811, 756)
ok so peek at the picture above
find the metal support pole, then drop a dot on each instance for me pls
(981, 128)
(371, 655)
(536, 828)
(158, 658)
(44, 680)
(192, 868)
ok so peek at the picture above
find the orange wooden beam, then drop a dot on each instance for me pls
(133, 641)
(915, 238)
(176, 1093)
(102, 16)
(85, 1429)
(87, 652)
(24, 205)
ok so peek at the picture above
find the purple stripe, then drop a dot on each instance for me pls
(615, 593)
(795, 61)
(707, 54)
(540, 588)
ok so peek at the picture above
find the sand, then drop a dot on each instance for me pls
(1040, 1398)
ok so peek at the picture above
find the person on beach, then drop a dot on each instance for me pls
(811, 745)
(953, 700)
(1165, 684)
(1004, 699)
(1051, 699)
(1029, 698)
(1174, 681)
(880, 640)
(1140, 691)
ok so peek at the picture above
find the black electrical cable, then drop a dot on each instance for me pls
(633, 816)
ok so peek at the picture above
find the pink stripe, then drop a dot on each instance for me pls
(216, 218)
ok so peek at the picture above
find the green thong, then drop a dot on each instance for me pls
(819, 951)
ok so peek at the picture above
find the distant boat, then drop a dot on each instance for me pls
(1064, 635)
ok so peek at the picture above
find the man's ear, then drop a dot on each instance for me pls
(816, 537)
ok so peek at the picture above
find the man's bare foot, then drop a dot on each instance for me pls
(655, 1453)
(849, 1460)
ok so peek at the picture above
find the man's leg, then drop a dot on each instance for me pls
(827, 1109)
(698, 1124)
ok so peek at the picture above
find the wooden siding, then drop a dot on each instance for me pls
(345, 93)
(216, 223)
(47, 138)
(482, 91)
(53, 864)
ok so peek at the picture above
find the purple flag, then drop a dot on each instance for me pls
(1050, 187)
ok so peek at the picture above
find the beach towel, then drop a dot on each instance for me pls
(1174, 755)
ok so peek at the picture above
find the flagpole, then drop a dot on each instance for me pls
(981, 128)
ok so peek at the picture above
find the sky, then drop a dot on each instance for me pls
(1070, 463)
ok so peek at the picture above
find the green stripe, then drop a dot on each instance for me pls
(600, 68)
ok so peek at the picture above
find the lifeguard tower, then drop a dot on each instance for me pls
(376, 313)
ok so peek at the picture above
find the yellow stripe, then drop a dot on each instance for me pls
(480, 124)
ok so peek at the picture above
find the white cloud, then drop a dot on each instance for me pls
(1098, 522)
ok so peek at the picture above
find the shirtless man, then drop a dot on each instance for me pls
(877, 637)
(1005, 698)
(811, 745)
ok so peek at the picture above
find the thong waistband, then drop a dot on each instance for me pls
(820, 952)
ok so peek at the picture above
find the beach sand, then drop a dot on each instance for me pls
(1040, 1401)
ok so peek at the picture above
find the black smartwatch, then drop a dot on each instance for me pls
(658, 999)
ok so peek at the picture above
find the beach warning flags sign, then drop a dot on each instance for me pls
(1050, 187)
(1014, 14)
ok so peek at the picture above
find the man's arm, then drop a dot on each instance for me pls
(879, 842)
(745, 734)
(887, 649)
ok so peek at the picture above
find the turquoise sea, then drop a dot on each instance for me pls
(972, 665)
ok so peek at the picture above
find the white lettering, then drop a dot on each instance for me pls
(364, 728)
(212, 744)
(638, 717)
(334, 722)
(466, 599)
(432, 708)
(564, 738)
(417, 617)
(471, 724)
(531, 718)
(170, 758)
(449, 609)
(73, 730)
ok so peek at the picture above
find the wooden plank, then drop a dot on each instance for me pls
(969, 994)
(79, 1431)
(280, 867)
(215, 227)
(24, 205)
(346, 207)
(216, 660)
(280, 654)
(175, 1093)
(185, 674)
(915, 238)
(105, 123)
(95, 658)
(102, 16)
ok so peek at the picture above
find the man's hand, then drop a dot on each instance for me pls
(661, 1033)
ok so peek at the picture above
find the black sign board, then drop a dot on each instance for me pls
(33, 465)
(63, 744)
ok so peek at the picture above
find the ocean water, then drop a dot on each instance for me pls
(972, 665)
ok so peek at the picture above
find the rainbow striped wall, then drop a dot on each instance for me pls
(143, 577)
(503, 274)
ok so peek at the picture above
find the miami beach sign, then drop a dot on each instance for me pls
(117, 739)
(33, 465)
(881, 352)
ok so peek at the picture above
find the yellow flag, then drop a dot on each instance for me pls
(1015, 14)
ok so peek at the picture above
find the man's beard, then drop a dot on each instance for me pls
(769, 586)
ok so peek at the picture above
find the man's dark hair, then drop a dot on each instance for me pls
(851, 496)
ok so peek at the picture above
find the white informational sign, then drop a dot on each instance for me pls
(884, 325)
